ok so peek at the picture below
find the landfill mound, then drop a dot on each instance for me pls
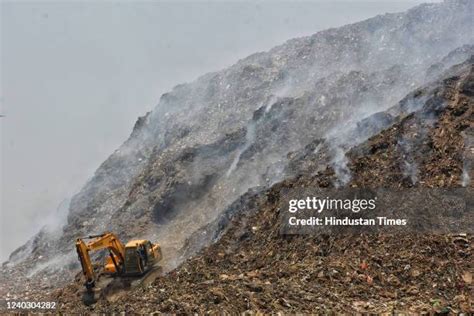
(252, 267)
(209, 146)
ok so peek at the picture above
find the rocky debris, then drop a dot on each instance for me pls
(253, 268)
(208, 142)
(267, 273)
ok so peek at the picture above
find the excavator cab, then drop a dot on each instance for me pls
(140, 256)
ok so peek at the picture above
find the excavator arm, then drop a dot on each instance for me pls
(104, 241)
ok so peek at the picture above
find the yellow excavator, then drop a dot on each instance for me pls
(136, 258)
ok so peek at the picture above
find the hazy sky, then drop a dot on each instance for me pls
(76, 75)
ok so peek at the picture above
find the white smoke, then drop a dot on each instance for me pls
(249, 140)
(465, 178)
(468, 157)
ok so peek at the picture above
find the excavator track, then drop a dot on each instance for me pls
(111, 288)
